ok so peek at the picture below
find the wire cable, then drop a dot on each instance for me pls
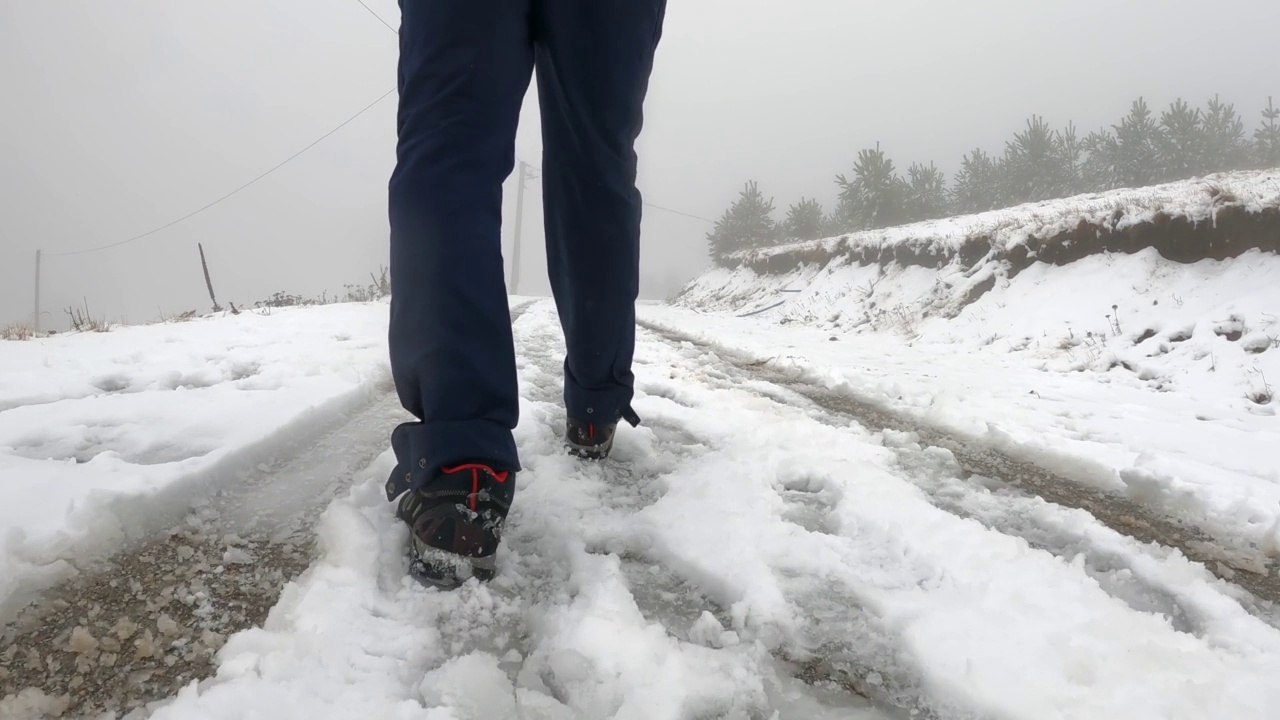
(678, 212)
(384, 22)
(646, 204)
(245, 186)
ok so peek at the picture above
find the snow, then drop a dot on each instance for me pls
(733, 539)
(102, 434)
(745, 554)
(1168, 400)
(1197, 200)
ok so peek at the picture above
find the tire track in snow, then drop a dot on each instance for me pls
(1256, 575)
(145, 623)
(134, 628)
(1126, 569)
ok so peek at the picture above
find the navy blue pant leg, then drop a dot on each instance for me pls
(464, 68)
(593, 62)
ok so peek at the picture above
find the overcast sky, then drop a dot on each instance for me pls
(119, 117)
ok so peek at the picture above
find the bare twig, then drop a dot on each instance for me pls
(208, 283)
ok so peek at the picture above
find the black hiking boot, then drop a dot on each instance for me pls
(455, 524)
(593, 441)
(589, 441)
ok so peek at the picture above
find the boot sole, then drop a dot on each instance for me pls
(441, 569)
(590, 452)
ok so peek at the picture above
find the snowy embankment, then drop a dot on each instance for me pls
(1215, 217)
(103, 437)
(1059, 332)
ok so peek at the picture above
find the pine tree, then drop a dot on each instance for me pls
(1180, 142)
(1098, 171)
(976, 188)
(1135, 161)
(1070, 150)
(746, 224)
(1033, 167)
(874, 197)
(926, 196)
(1266, 139)
(1225, 147)
(840, 221)
(846, 217)
(805, 221)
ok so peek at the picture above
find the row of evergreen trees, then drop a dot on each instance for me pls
(1039, 163)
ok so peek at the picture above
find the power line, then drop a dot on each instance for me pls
(192, 214)
(384, 22)
(646, 204)
(677, 212)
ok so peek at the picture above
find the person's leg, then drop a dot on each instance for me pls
(593, 63)
(464, 69)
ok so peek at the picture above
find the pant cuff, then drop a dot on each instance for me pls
(422, 449)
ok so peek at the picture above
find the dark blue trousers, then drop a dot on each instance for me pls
(464, 69)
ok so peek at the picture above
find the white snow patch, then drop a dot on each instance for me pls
(472, 687)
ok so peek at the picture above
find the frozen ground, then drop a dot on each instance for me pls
(749, 553)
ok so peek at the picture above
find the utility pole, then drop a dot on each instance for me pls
(515, 249)
(36, 323)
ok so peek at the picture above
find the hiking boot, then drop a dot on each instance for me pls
(589, 441)
(455, 524)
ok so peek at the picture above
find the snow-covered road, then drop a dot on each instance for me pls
(747, 553)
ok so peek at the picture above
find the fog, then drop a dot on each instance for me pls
(121, 117)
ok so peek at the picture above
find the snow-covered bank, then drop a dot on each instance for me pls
(104, 436)
(1215, 217)
(1140, 374)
